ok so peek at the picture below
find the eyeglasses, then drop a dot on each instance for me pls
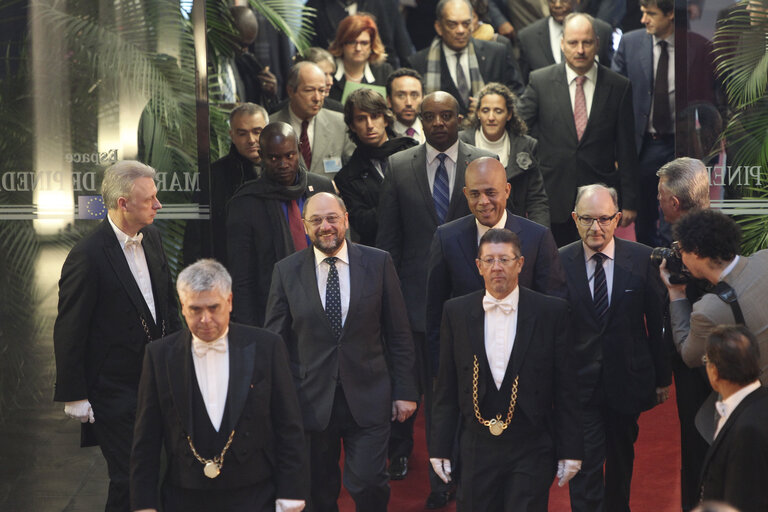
(504, 261)
(587, 221)
(363, 44)
(430, 117)
(316, 221)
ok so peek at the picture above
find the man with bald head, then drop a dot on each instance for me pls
(617, 301)
(452, 271)
(581, 114)
(322, 137)
(264, 220)
(422, 190)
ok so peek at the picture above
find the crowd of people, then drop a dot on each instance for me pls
(427, 232)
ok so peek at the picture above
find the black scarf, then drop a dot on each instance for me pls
(393, 145)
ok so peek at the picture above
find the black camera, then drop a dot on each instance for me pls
(678, 274)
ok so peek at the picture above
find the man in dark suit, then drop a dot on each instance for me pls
(219, 397)
(452, 271)
(114, 297)
(339, 309)
(737, 462)
(423, 190)
(581, 114)
(264, 220)
(459, 64)
(540, 41)
(511, 347)
(623, 369)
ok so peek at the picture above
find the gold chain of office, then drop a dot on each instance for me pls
(495, 425)
(213, 466)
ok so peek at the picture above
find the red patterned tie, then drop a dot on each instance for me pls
(296, 226)
(306, 151)
(580, 107)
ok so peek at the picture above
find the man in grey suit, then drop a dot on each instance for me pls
(422, 190)
(540, 41)
(323, 141)
(340, 311)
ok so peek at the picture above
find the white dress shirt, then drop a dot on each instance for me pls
(450, 60)
(670, 76)
(555, 35)
(727, 406)
(483, 229)
(342, 267)
(500, 331)
(589, 86)
(367, 73)
(137, 262)
(450, 165)
(609, 251)
(212, 372)
(296, 125)
(400, 129)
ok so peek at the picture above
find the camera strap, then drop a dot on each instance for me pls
(728, 295)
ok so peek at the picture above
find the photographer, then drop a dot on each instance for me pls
(709, 244)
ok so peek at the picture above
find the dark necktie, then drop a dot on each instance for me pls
(461, 80)
(296, 226)
(600, 294)
(580, 107)
(410, 131)
(662, 118)
(306, 151)
(333, 297)
(440, 193)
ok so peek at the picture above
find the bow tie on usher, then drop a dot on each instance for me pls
(201, 348)
(134, 240)
(506, 307)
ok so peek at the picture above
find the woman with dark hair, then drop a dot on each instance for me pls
(360, 54)
(497, 127)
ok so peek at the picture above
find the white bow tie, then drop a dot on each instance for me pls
(505, 305)
(721, 408)
(134, 240)
(201, 348)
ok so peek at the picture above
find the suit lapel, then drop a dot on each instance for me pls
(308, 275)
(241, 359)
(116, 258)
(155, 265)
(563, 98)
(476, 328)
(419, 172)
(523, 335)
(179, 370)
(574, 266)
(646, 58)
(468, 245)
(457, 196)
(599, 103)
(546, 46)
(357, 275)
(320, 137)
(622, 269)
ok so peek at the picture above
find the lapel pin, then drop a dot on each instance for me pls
(311, 188)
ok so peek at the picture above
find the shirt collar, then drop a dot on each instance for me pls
(727, 406)
(343, 254)
(401, 128)
(483, 229)
(555, 27)
(727, 270)
(513, 298)
(451, 51)
(122, 237)
(571, 75)
(670, 39)
(609, 250)
(296, 120)
(367, 73)
(452, 152)
(224, 337)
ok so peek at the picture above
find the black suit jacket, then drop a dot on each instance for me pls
(540, 357)
(736, 464)
(452, 271)
(536, 50)
(104, 323)
(407, 219)
(626, 354)
(373, 359)
(263, 409)
(495, 64)
(567, 163)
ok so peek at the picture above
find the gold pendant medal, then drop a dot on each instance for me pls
(211, 470)
(495, 427)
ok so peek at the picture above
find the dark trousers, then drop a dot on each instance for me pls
(365, 462)
(650, 226)
(115, 437)
(401, 434)
(508, 473)
(692, 389)
(609, 438)
(257, 498)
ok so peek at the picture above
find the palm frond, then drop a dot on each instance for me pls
(291, 17)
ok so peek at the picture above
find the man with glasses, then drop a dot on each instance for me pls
(423, 190)
(341, 313)
(617, 301)
(512, 348)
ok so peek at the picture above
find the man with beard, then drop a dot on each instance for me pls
(359, 182)
(339, 308)
(264, 220)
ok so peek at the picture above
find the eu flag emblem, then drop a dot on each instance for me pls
(91, 207)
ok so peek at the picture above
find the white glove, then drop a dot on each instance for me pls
(79, 410)
(442, 469)
(567, 469)
(284, 505)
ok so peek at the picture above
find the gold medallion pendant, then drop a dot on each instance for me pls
(496, 427)
(211, 470)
